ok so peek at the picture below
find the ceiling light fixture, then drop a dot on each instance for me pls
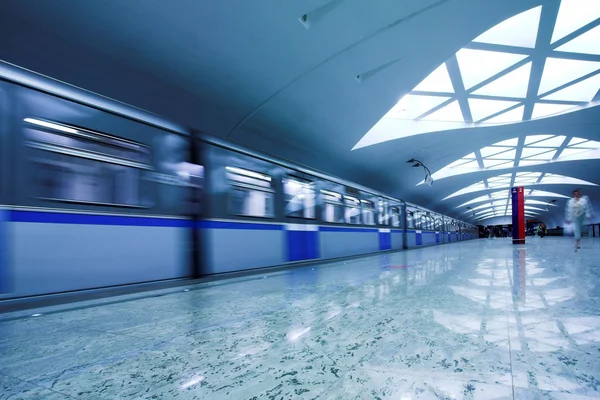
(417, 163)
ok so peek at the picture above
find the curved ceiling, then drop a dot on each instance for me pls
(308, 80)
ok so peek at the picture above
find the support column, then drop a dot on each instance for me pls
(518, 215)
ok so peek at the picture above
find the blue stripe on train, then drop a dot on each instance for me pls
(239, 225)
(346, 229)
(94, 219)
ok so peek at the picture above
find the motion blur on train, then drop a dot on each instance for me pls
(94, 194)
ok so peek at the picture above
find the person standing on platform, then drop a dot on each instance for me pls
(578, 210)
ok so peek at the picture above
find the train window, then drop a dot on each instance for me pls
(395, 216)
(410, 219)
(368, 212)
(74, 164)
(299, 198)
(438, 224)
(333, 207)
(352, 210)
(251, 193)
(383, 213)
(429, 219)
(423, 221)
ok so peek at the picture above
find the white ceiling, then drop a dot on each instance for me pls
(306, 91)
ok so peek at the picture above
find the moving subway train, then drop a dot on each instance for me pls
(95, 194)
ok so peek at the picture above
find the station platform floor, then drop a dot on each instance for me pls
(476, 320)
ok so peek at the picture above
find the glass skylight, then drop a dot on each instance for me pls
(438, 81)
(574, 14)
(482, 108)
(560, 71)
(503, 208)
(513, 84)
(585, 44)
(541, 110)
(477, 66)
(526, 179)
(495, 71)
(413, 106)
(583, 91)
(534, 150)
(520, 30)
(449, 113)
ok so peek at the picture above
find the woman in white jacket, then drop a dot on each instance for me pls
(578, 209)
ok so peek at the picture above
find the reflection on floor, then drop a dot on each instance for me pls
(477, 320)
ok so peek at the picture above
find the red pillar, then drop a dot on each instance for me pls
(518, 215)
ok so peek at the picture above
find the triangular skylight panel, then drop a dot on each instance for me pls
(586, 43)
(524, 181)
(590, 144)
(530, 174)
(491, 150)
(559, 179)
(450, 113)
(470, 165)
(497, 163)
(515, 115)
(547, 109)
(500, 182)
(478, 65)
(559, 71)
(528, 163)
(540, 202)
(481, 109)
(475, 200)
(530, 140)
(513, 84)
(507, 155)
(520, 30)
(547, 156)
(575, 141)
(437, 81)
(498, 185)
(460, 163)
(571, 152)
(582, 91)
(574, 14)
(413, 106)
(510, 142)
(542, 193)
(555, 141)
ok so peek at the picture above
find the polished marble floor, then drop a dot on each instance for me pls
(476, 320)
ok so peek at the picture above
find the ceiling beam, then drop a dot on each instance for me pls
(546, 27)
(459, 87)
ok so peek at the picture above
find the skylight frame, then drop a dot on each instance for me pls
(543, 178)
(531, 154)
(520, 57)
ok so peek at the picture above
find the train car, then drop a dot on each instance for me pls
(278, 213)
(97, 194)
(89, 198)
